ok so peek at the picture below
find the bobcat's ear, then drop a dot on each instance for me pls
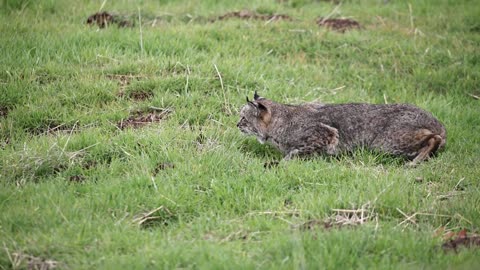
(262, 108)
(264, 112)
(252, 103)
(256, 96)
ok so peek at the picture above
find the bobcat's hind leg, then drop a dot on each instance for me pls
(431, 145)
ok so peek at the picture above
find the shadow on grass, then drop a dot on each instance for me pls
(264, 151)
(361, 156)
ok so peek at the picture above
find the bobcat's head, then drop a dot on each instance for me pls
(255, 117)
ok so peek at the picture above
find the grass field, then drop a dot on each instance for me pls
(81, 189)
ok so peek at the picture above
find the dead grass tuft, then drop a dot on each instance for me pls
(341, 218)
(139, 119)
(340, 25)
(22, 260)
(251, 15)
(158, 216)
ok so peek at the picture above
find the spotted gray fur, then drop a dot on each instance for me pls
(331, 129)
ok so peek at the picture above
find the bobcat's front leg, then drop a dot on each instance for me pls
(291, 154)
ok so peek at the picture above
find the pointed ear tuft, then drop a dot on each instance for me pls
(256, 96)
(248, 101)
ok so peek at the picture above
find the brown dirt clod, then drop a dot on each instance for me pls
(163, 166)
(105, 19)
(287, 202)
(461, 239)
(140, 119)
(90, 164)
(340, 25)
(140, 95)
(251, 15)
(77, 178)
(59, 168)
(313, 224)
(102, 19)
(3, 111)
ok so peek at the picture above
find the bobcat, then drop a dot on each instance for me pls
(313, 128)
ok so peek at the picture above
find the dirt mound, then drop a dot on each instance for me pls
(140, 95)
(139, 119)
(251, 15)
(340, 25)
(105, 19)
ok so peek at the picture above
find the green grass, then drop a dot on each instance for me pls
(224, 209)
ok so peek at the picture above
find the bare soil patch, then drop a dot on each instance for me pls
(105, 19)
(3, 111)
(124, 80)
(77, 178)
(139, 119)
(251, 15)
(315, 224)
(163, 166)
(59, 168)
(50, 127)
(459, 240)
(140, 95)
(44, 77)
(340, 25)
(90, 164)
